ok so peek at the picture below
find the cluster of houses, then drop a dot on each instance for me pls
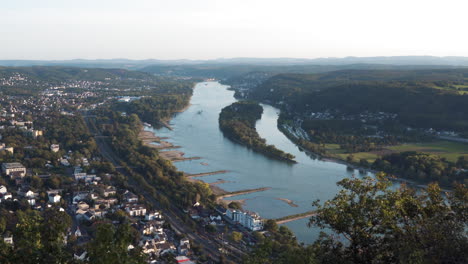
(155, 241)
(92, 202)
(16, 172)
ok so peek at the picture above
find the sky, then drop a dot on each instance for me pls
(209, 29)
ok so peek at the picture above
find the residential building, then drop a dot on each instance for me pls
(14, 170)
(3, 189)
(130, 197)
(54, 198)
(54, 147)
(135, 209)
(249, 220)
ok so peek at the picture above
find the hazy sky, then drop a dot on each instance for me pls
(207, 29)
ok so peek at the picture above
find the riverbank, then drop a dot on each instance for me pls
(353, 166)
(148, 138)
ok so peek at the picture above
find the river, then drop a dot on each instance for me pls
(197, 131)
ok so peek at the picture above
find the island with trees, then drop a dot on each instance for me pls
(237, 122)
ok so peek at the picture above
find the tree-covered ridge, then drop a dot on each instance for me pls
(237, 121)
(59, 73)
(424, 167)
(155, 109)
(420, 98)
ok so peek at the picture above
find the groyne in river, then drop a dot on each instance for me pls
(196, 130)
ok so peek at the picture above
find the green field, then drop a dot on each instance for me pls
(447, 149)
(462, 89)
(335, 152)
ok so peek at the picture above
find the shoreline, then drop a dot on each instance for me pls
(326, 158)
(148, 137)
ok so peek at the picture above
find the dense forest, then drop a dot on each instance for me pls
(156, 108)
(420, 98)
(237, 121)
(235, 72)
(424, 167)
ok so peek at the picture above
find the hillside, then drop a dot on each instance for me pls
(420, 98)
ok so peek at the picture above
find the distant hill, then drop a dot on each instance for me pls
(227, 72)
(139, 64)
(421, 98)
(59, 73)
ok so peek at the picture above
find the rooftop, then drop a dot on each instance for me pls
(12, 165)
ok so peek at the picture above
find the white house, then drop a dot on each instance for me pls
(153, 216)
(80, 255)
(135, 209)
(31, 201)
(5, 196)
(54, 198)
(3, 189)
(54, 147)
(8, 239)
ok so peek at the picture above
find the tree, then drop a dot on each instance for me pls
(388, 226)
(236, 236)
(53, 231)
(110, 246)
(210, 228)
(235, 205)
(270, 225)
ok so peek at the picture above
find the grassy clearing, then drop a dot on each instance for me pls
(333, 149)
(460, 92)
(370, 157)
(447, 149)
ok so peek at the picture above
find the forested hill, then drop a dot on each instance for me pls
(420, 98)
(235, 72)
(58, 73)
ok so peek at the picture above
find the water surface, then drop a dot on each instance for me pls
(197, 131)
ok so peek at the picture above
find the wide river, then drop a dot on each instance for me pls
(197, 131)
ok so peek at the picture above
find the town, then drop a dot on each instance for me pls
(50, 161)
